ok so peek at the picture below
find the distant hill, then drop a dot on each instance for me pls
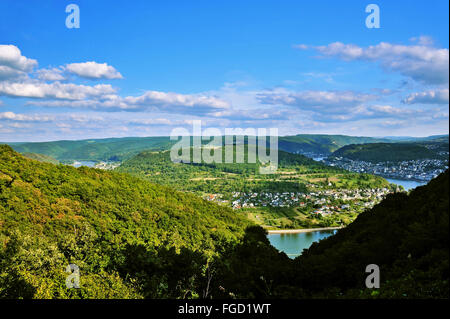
(393, 152)
(320, 143)
(95, 149)
(435, 138)
(118, 149)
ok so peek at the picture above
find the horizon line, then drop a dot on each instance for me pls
(288, 135)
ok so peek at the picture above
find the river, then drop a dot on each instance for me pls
(83, 163)
(407, 185)
(294, 243)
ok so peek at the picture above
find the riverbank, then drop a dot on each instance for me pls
(296, 231)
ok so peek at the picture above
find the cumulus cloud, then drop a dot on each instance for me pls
(330, 101)
(83, 118)
(363, 112)
(54, 90)
(423, 40)
(164, 100)
(421, 62)
(93, 70)
(253, 115)
(394, 124)
(158, 121)
(438, 96)
(53, 74)
(24, 117)
(150, 100)
(13, 64)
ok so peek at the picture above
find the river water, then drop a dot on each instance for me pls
(293, 244)
(407, 185)
(83, 163)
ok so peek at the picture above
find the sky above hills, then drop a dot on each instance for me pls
(142, 68)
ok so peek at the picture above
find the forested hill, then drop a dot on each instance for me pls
(118, 149)
(393, 152)
(102, 221)
(95, 149)
(222, 177)
(124, 148)
(407, 236)
(322, 143)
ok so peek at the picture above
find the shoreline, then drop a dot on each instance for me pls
(304, 230)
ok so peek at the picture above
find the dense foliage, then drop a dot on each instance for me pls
(52, 216)
(41, 158)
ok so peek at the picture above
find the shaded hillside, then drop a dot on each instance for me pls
(407, 236)
(52, 216)
(382, 152)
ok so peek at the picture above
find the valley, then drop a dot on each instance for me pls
(301, 194)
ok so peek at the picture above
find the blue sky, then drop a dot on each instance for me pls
(142, 68)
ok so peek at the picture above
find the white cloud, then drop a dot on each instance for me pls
(420, 62)
(84, 118)
(172, 101)
(24, 117)
(53, 74)
(93, 70)
(329, 101)
(54, 90)
(253, 114)
(150, 100)
(158, 121)
(423, 40)
(393, 123)
(438, 96)
(13, 64)
(11, 56)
